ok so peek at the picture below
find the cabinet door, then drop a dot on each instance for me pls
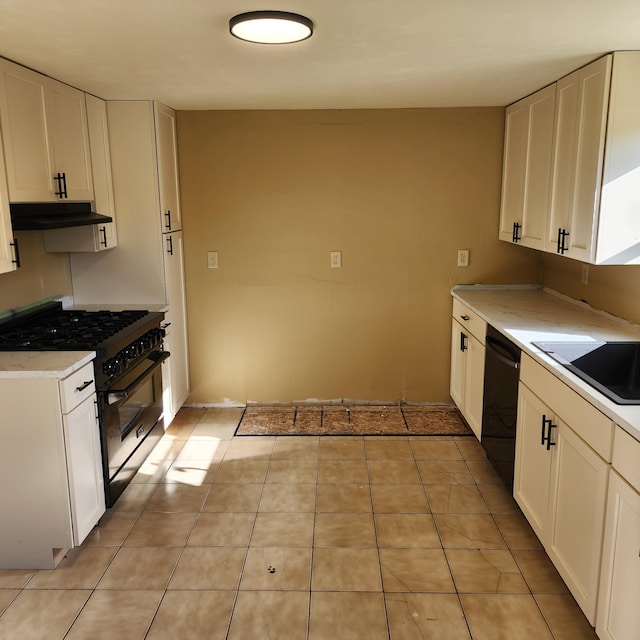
(101, 169)
(474, 390)
(538, 168)
(67, 115)
(165, 119)
(618, 612)
(563, 158)
(176, 318)
(526, 171)
(27, 148)
(84, 468)
(8, 261)
(590, 137)
(578, 156)
(533, 462)
(579, 490)
(516, 133)
(459, 340)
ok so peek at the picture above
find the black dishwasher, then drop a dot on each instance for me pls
(500, 404)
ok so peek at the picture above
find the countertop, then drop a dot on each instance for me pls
(532, 314)
(42, 364)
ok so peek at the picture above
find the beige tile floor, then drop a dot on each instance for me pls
(301, 537)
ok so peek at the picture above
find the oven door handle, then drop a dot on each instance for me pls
(117, 395)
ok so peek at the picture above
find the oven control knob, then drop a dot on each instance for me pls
(150, 340)
(113, 366)
(132, 351)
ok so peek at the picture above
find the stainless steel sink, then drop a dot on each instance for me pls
(613, 368)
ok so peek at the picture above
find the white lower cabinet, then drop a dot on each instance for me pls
(577, 511)
(467, 365)
(175, 370)
(619, 599)
(50, 456)
(533, 463)
(561, 484)
(467, 376)
(84, 468)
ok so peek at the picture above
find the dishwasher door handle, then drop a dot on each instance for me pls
(503, 352)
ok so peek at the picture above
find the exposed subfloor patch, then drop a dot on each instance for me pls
(344, 420)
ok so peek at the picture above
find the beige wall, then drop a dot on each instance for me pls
(615, 289)
(40, 276)
(397, 191)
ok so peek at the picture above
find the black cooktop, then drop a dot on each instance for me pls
(54, 328)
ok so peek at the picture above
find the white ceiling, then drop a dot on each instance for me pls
(364, 53)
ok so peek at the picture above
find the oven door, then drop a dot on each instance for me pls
(131, 409)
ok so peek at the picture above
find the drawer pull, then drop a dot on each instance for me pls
(83, 386)
(465, 317)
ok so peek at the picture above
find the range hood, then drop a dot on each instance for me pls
(27, 216)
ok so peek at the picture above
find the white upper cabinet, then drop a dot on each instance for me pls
(45, 138)
(594, 184)
(526, 169)
(92, 238)
(8, 246)
(579, 145)
(167, 147)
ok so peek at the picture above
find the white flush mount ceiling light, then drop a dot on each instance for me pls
(271, 27)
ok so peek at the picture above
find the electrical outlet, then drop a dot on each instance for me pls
(463, 257)
(212, 259)
(336, 259)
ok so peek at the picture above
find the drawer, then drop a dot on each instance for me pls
(470, 320)
(583, 418)
(77, 387)
(626, 457)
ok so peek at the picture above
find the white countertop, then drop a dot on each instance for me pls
(529, 314)
(42, 364)
(163, 308)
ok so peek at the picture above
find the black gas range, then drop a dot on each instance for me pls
(127, 369)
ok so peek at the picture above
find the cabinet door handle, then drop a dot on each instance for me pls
(170, 245)
(549, 443)
(168, 217)
(561, 248)
(546, 437)
(83, 386)
(103, 232)
(515, 236)
(61, 179)
(16, 251)
(545, 421)
(463, 341)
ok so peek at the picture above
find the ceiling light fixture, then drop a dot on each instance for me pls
(271, 27)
